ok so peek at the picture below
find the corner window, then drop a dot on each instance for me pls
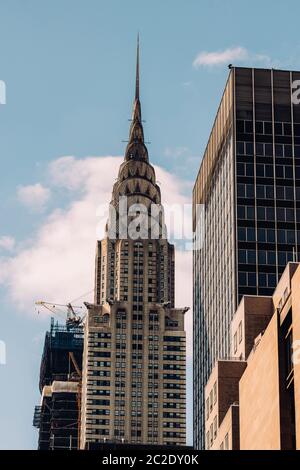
(227, 442)
(207, 408)
(215, 393)
(207, 440)
(235, 343)
(215, 427)
(289, 352)
(211, 435)
(240, 332)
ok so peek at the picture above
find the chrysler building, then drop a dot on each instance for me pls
(134, 369)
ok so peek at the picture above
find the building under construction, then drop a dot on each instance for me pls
(57, 416)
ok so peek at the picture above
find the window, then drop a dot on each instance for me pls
(245, 169)
(288, 151)
(268, 128)
(252, 279)
(249, 148)
(259, 127)
(247, 279)
(262, 257)
(297, 151)
(264, 149)
(215, 427)
(215, 393)
(207, 440)
(266, 235)
(242, 256)
(251, 256)
(264, 171)
(250, 232)
(265, 213)
(284, 257)
(278, 128)
(240, 148)
(246, 234)
(289, 352)
(235, 343)
(240, 332)
(287, 128)
(246, 212)
(248, 127)
(211, 435)
(245, 190)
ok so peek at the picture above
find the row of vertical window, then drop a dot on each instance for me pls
(98, 354)
(98, 392)
(265, 170)
(99, 373)
(100, 335)
(173, 338)
(265, 127)
(101, 363)
(172, 357)
(267, 150)
(250, 279)
(98, 432)
(267, 258)
(211, 400)
(237, 337)
(283, 214)
(100, 412)
(285, 193)
(211, 435)
(99, 383)
(247, 234)
(263, 257)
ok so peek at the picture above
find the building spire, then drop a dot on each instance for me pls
(137, 115)
(136, 148)
(137, 78)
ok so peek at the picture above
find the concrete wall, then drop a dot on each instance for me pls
(259, 395)
(296, 337)
(228, 432)
(254, 313)
(225, 376)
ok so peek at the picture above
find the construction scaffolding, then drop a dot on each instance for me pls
(59, 341)
(58, 415)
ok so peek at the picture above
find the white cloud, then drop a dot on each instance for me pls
(240, 54)
(7, 243)
(176, 152)
(187, 84)
(34, 197)
(183, 161)
(57, 263)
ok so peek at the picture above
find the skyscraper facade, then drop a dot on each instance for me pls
(249, 184)
(134, 348)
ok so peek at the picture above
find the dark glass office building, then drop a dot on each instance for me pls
(249, 183)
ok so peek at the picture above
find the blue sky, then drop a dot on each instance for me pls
(68, 66)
